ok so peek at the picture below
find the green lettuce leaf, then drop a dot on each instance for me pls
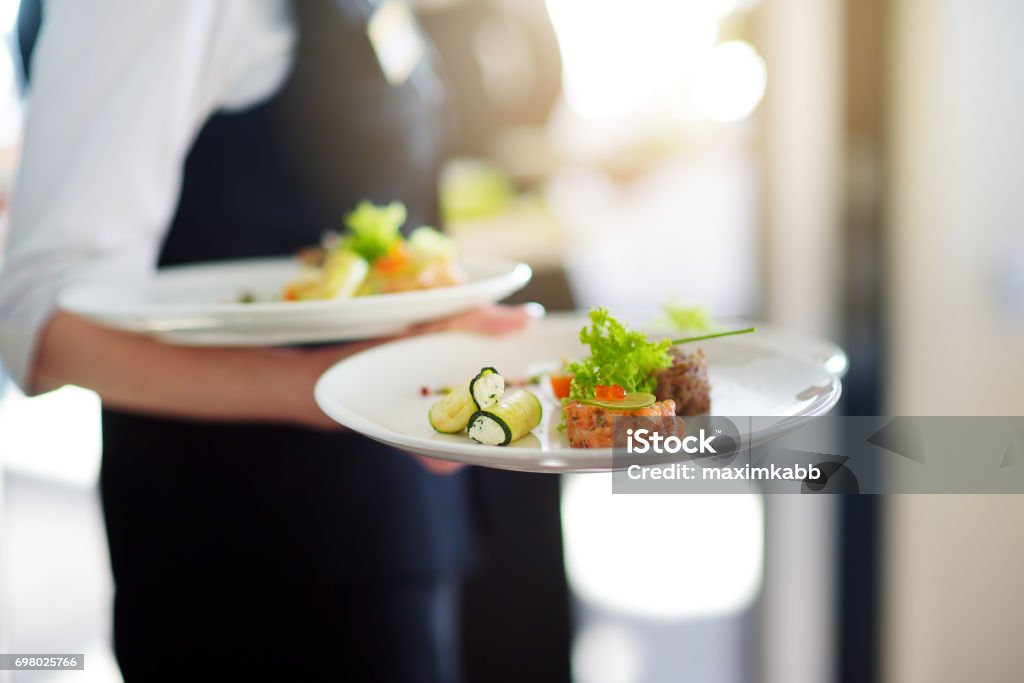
(618, 355)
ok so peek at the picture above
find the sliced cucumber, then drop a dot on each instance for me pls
(451, 414)
(632, 401)
(511, 419)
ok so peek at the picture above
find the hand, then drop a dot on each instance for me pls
(436, 466)
(134, 372)
(493, 319)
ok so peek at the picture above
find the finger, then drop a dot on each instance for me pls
(491, 319)
(442, 467)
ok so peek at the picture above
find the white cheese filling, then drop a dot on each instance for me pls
(488, 389)
(487, 431)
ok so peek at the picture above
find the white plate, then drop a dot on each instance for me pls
(197, 304)
(378, 392)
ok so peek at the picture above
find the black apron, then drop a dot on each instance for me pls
(275, 548)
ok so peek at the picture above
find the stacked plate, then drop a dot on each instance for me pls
(379, 392)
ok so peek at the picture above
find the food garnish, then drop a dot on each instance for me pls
(609, 392)
(561, 385)
(618, 355)
(632, 401)
(621, 360)
(680, 317)
(713, 335)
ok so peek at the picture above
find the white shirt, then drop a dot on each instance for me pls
(119, 90)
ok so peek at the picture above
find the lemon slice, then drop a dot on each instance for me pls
(633, 401)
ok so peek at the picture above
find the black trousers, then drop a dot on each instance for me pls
(359, 631)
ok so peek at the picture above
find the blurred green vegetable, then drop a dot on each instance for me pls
(373, 229)
(695, 318)
(427, 241)
(472, 189)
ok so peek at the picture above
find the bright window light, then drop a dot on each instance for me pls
(606, 652)
(661, 556)
(621, 57)
(731, 82)
(8, 15)
(56, 435)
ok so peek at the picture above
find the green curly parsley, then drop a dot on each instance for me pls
(618, 355)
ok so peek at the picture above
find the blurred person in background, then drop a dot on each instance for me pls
(248, 534)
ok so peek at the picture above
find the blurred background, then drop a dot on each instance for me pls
(845, 168)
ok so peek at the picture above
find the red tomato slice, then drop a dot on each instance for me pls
(561, 385)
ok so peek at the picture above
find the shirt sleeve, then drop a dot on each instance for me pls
(118, 90)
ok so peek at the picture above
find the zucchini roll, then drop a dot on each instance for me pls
(511, 419)
(451, 414)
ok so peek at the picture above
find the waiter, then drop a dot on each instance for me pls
(248, 537)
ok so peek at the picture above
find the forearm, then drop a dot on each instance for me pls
(135, 372)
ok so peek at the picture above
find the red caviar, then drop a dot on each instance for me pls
(609, 392)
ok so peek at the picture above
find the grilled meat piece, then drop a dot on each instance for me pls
(686, 383)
